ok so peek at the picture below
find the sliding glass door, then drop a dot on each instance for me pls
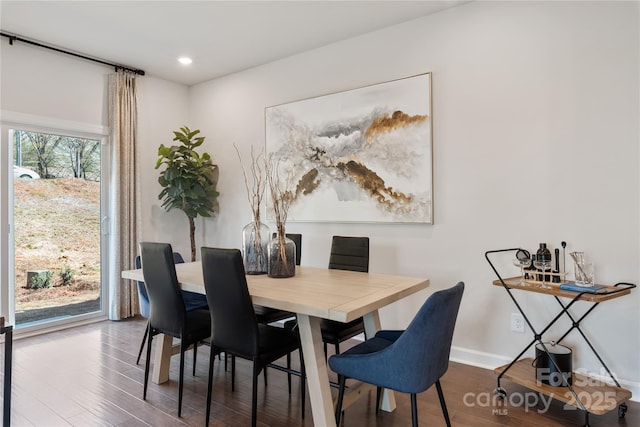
(56, 247)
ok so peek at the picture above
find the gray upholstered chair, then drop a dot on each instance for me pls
(408, 361)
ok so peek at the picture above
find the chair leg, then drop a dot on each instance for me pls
(341, 381)
(181, 381)
(209, 385)
(288, 373)
(254, 396)
(414, 410)
(443, 404)
(195, 352)
(144, 339)
(336, 346)
(146, 364)
(378, 397)
(265, 376)
(233, 372)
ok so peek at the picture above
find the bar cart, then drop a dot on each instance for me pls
(596, 398)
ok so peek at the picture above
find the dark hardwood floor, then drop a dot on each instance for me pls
(87, 376)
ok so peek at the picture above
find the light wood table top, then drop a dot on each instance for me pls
(320, 292)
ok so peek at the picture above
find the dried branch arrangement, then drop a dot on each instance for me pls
(257, 186)
(255, 235)
(281, 198)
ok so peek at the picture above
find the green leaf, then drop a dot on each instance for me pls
(189, 179)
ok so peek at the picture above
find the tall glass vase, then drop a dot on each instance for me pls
(282, 256)
(255, 247)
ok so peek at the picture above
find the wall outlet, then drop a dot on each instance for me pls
(517, 323)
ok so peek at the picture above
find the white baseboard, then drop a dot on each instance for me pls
(491, 361)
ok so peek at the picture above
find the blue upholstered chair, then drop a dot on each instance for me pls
(408, 361)
(192, 301)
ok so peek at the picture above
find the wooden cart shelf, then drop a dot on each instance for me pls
(596, 397)
(603, 294)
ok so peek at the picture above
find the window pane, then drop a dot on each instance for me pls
(56, 219)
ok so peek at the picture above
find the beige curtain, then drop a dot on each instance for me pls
(123, 203)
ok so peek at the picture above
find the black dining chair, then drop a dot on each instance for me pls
(234, 327)
(268, 314)
(167, 312)
(408, 361)
(192, 301)
(347, 253)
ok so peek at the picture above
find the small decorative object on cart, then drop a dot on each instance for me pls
(553, 364)
(543, 261)
(583, 269)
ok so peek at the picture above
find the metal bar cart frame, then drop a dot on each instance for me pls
(610, 291)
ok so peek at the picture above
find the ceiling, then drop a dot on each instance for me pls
(221, 37)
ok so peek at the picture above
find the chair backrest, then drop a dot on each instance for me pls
(167, 311)
(143, 298)
(234, 327)
(421, 354)
(297, 239)
(349, 253)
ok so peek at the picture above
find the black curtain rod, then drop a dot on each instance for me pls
(13, 37)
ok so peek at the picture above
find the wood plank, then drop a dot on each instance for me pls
(596, 397)
(554, 289)
(316, 368)
(333, 294)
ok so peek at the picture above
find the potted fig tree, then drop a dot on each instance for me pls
(188, 180)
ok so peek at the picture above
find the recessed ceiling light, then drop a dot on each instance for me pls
(185, 61)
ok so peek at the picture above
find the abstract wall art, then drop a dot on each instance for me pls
(363, 155)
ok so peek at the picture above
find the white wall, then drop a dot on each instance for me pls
(536, 139)
(535, 110)
(43, 83)
(162, 108)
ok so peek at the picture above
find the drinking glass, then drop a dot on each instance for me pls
(522, 263)
(544, 265)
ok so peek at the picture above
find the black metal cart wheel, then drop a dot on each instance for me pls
(622, 410)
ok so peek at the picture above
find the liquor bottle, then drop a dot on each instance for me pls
(556, 253)
(528, 271)
(544, 254)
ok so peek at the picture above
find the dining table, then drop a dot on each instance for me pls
(313, 294)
